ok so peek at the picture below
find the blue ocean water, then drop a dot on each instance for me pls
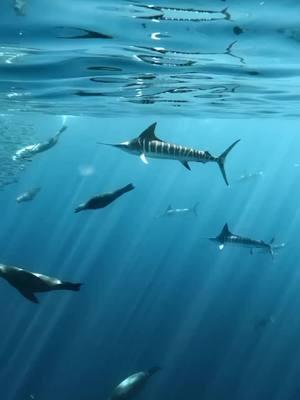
(156, 292)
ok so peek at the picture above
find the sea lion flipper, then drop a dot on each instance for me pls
(29, 295)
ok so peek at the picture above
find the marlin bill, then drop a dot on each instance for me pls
(148, 145)
(226, 237)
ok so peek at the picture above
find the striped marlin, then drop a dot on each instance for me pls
(170, 211)
(147, 144)
(228, 238)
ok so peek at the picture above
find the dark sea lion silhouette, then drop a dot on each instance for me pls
(132, 385)
(28, 283)
(103, 200)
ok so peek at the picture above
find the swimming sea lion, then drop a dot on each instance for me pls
(132, 385)
(28, 283)
(103, 200)
(27, 196)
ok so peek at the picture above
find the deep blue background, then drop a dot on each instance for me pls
(156, 292)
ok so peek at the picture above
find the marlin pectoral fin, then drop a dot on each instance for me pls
(144, 159)
(221, 246)
(186, 165)
(225, 231)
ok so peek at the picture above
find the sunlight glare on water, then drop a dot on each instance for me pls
(164, 58)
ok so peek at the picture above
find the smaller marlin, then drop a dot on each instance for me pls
(250, 176)
(170, 211)
(147, 144)
(226, 237)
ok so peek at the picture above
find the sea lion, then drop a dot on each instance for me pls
(26, 153)
(28, 283)
(132, 385)
(27, 196)
(103, 200)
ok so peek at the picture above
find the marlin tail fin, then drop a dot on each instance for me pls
(195, 209)
(62, 129)
(222, 158)
(271, 251)
(70, 286)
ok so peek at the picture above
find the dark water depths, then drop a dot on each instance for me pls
(209, 59)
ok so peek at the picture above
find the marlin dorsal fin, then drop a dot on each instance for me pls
(225, 231)
(169, 207)
(149, 133)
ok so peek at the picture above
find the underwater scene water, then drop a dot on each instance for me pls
(149, 188)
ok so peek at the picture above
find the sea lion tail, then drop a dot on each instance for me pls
(152, 370)
(126, 189)
(71, 286)
(62, 129)
(79, 208)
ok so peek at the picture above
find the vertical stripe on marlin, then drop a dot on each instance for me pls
(182, 151)
(176, 151)
(173, 147)
(179, 151)
(161, 147)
